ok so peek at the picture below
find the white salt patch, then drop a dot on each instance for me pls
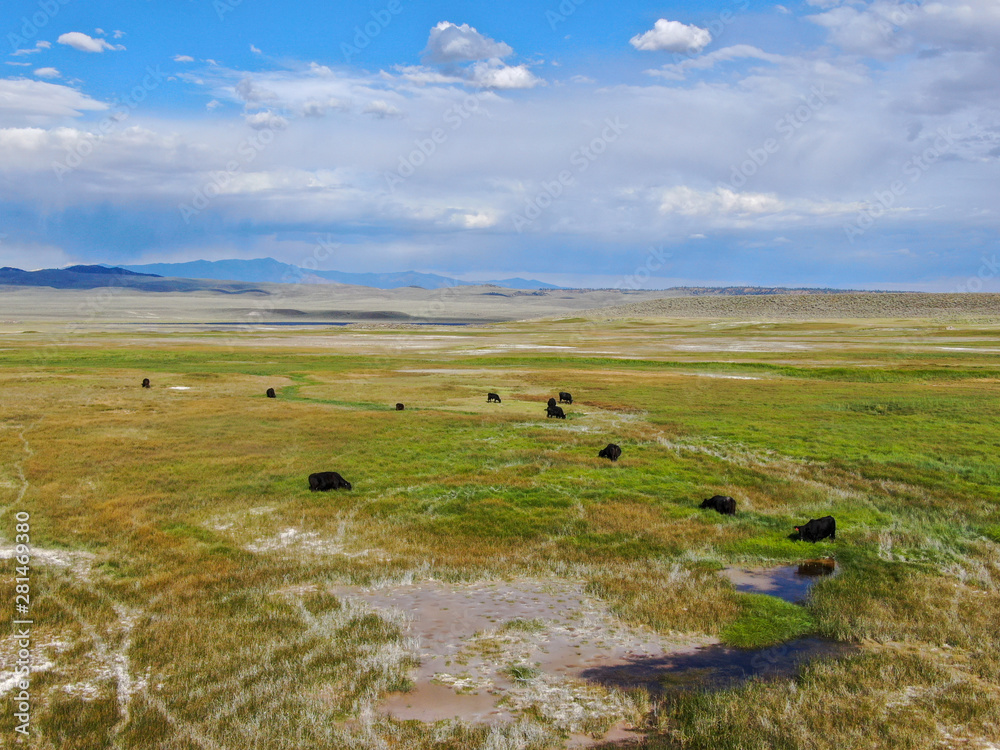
(727, 377)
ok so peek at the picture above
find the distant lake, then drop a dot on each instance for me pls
(290, 323)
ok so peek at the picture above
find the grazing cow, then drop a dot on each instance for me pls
(822, 567)
(552, 402)
(270, 393)
(612, 451)
(721, 503)
(818, 528)
(565, 397)
(555, 411)
(145, 382)
(327, 480)
(492, 397)
(400, 407)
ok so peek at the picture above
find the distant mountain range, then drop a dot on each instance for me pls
(246, 276)
(269, 270)
(94, 277)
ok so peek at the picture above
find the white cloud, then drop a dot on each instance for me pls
(381, 108)
(19, 64)
(476, 220)
(84, 43)
(449, 43)
(255, 50)
(47, 73)
(116, 34)
(493, 74)
(420, 75)
(183, 58)
(885, 28)
(266, 121)
(678, 71)
(28, 102)
(689, 202)
(214, 104)
(39, 46)
(318, 107)
(672, 36)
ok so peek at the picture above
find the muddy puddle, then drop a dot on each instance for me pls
(788, 582)
(492, 651)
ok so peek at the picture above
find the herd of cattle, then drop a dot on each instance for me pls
(813, 531)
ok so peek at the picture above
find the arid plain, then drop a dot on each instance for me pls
(489, 582)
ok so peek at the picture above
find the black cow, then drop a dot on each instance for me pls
(145, 382)
(327, 480)
(612, 451)
(721, 503)
(270, 393)
(552, 402)
(400, 407)
(818, 528)
(555, 411)
(492, 397)
(565, 397)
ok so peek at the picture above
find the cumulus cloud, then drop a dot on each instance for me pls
(493, 74)
(672, 36)
(450, 43)
(254, 94)
(183, 58)
(885, 28)
(266, 121)
(84, 43)
(318, 107)
(47, 73)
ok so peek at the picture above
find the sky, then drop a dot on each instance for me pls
(827, 143)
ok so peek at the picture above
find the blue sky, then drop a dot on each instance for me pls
(825, 143)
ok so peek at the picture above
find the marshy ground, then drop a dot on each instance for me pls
(188, 591)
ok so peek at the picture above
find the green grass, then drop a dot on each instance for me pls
(175, 503)
(764, 621)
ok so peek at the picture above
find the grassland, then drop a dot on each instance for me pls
(171, 612)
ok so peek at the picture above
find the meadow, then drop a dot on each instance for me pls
(184, 579)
